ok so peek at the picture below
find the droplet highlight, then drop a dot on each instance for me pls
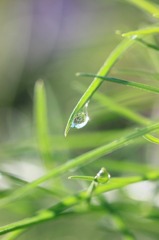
(133, 37)
(81, 118)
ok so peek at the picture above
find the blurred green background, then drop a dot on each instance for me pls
(52, 40)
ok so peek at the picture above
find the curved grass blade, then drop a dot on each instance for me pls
(104, 70)
(80, 161)
(123, 82)
(144, 31)
(56, 210)
(147, 6)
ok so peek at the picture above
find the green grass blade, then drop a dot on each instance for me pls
(80, 161)
(85, 178)
(123, 82)
(144, 31)
(147, 6)
(41, 121)
(58, 209)
(104, 70)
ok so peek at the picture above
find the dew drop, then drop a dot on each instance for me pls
(81, 118)
(102, 176)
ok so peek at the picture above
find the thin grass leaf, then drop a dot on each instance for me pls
(123, 82)
(104, 70)
(147, 6)
(86, 178)
(80, 161)
(58, 209)
(144, 31)
(41, 121)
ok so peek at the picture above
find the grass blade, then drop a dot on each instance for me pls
(123, 82)
(41, 121)
(104, 70)
(147, 6)
(85, 178)
(80, 161)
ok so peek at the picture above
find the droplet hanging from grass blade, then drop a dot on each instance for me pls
(102, 176)
(81, 118)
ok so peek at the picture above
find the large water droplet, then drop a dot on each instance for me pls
(81, 118)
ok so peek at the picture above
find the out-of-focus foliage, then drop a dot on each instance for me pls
(52, 40)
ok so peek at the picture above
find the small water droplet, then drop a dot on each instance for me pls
(102, 176)
(81, 118)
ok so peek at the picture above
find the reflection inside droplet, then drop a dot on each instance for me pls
(81, 118)
(102, 176)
